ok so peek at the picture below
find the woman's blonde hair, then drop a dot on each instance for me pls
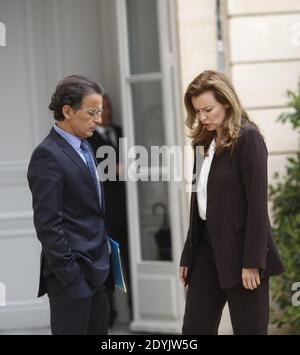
(225, 94)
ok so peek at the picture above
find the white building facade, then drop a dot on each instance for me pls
(144, 52)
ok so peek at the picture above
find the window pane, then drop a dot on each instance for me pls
(154, 221)
(148, 114)
(143, 36)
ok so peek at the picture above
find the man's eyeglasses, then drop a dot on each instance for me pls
(93, 113)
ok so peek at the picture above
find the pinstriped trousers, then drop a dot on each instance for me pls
(249, 309)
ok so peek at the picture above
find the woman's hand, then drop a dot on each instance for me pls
(250, 278)
(183, 271)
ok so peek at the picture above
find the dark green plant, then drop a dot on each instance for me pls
(285, 195)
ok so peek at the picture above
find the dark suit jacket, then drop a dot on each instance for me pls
(68, 220)
(237, 212)
(115, 191)
(96, 140)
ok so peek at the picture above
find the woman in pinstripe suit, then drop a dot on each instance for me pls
(229, 253)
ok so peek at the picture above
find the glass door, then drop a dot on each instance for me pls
(150, 118)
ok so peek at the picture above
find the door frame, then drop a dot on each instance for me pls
(174, 131)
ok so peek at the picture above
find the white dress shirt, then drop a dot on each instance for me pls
(202, 183)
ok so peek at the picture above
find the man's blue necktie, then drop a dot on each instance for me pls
(91, 166)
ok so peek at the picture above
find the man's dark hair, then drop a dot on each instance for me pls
(71, 91)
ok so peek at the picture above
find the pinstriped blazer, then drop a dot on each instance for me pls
(237, 212)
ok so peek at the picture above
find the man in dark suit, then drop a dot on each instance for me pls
(108, 134)
(68, 204)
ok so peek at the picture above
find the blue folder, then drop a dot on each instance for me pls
(117, 265)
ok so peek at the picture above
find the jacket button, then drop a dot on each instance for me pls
(210, 199)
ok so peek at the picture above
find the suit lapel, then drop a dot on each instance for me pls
(101, 185)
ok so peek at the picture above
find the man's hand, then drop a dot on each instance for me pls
(183, 271)
(250, 278)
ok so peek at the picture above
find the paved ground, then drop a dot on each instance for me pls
(119, 329)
